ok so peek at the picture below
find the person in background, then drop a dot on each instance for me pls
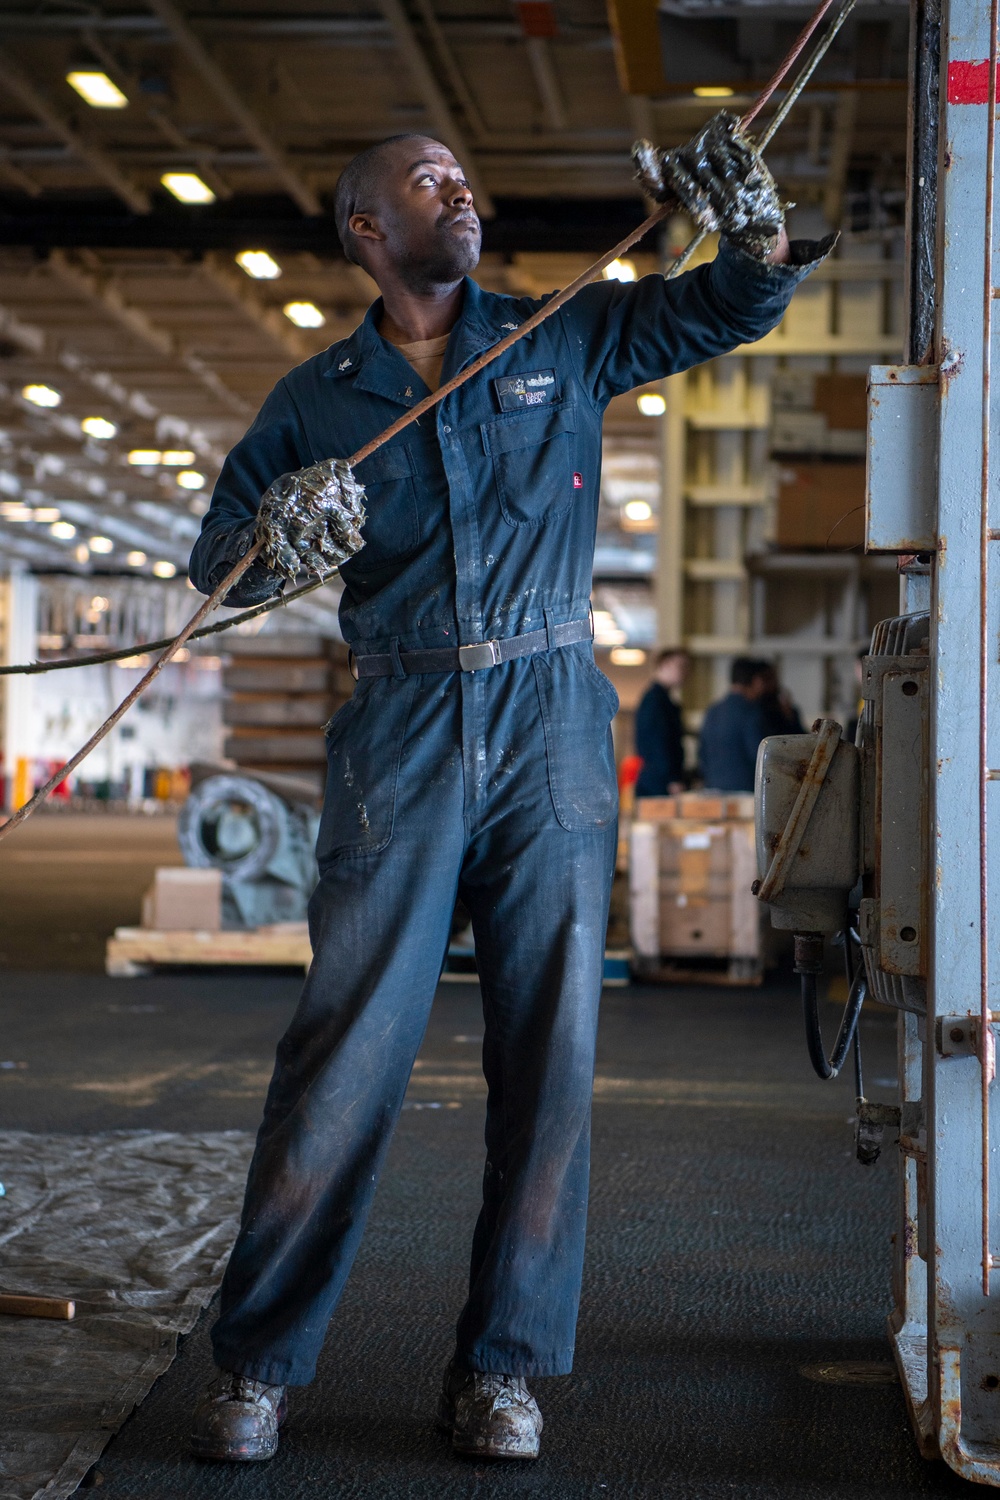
(659, 728)
(778, 712)
(733, 728)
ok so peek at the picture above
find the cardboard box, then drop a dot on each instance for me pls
(183, 900)
(702, 806)
(842, 399)
(821, 504)
(689, 890)
(692, 929)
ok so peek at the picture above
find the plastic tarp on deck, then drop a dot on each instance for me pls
(136, 1227)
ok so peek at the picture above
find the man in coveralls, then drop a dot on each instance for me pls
(474, 760)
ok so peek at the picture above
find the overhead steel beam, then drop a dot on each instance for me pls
(540, 59)
(456, 78)
(191, 44)
(131, 84)
(437, 106)
(14, 175)
(105, 292)
(235, 287)
(100, 163)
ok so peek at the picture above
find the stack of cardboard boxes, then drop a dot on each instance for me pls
(691, 865)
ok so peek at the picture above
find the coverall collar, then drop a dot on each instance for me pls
(375, 365)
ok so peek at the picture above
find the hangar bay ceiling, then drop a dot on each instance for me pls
(136, 338)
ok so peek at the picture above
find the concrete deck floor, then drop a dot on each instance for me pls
(733, 1242)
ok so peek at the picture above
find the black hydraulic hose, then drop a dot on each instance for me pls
(828, 1067)
(851, 935)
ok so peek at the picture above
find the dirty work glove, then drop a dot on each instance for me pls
(310, 521)
(720, 179)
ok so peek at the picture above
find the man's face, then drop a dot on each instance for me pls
(672, 672)
(424, 223)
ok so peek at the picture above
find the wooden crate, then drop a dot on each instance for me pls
(280, 690)
(691, 910)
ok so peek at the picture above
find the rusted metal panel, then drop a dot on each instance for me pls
(903, 858)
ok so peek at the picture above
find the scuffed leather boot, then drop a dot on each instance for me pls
(237, 1419)
(489, 1416)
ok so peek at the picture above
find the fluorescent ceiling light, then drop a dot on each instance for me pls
(177, 458)
(651, 405)
(187, 187)
(101, 544)
(628, 656)
(45, 513)
(144, 457)
(98, 427)
(136, 559)
(164, 569)
(620, 270)
(64, 531)
(259, 265)
(41, 395)
(190, 479)
(15, 510)
(304, 314)
(714, 91)
(639, 510)
(97, 89)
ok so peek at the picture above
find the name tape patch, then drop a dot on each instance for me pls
(534, 388)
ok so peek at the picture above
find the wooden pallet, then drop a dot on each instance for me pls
(139, 950)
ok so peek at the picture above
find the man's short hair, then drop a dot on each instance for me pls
(357, 188)
(745, 669)
(668, 653)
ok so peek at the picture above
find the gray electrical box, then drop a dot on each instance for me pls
(902, 458)
(824, 868)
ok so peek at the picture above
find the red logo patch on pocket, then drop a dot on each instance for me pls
(578, 481)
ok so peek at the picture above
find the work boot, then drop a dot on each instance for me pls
(237, 1419)
(489, 1416)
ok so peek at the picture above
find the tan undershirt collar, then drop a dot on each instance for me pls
(426, 356)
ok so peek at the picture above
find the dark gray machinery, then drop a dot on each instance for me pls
(261, 833)
(895, 841)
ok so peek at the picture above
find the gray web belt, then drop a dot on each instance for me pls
(474, 658)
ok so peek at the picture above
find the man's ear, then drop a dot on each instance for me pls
(364, 227)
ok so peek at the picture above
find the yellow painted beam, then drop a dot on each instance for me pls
(636, 33)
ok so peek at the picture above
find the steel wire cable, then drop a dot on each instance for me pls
(122, 654)
(429, 402)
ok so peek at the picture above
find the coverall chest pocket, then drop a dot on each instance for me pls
(392, 528)
(363, 745)
(534, 462)
(577, 704)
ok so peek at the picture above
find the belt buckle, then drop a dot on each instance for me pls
(475, 658)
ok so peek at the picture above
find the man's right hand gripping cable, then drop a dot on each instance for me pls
(311, 521)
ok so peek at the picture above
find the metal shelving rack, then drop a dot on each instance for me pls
(720, 588)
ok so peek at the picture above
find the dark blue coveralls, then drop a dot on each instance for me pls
(497, 786)
(731, 732)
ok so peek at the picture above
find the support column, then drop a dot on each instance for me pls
(18, 642)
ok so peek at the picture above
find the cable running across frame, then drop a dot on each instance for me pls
(586, 277)
(679, 265)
